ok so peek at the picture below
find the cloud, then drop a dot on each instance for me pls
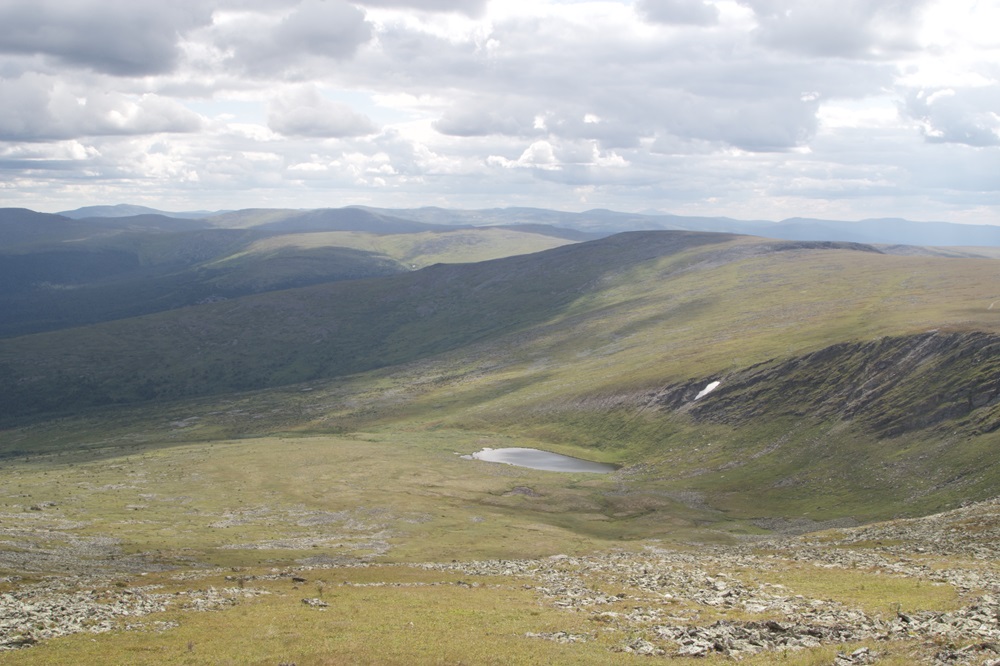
(696, 106)
(468, 7)
(539, 155)
(969, 116)
(305, 112)
(678, 12)
(717, 85)
(763, 125)
(118, 37)
(577, 157)
(41, 108)
(320, 29)
(839, 28)
(484, 116)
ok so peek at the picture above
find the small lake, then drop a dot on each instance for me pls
(544, 460)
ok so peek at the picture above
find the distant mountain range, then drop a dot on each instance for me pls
(598, 222)
(129, 210)
(101, 263)
(59, 272)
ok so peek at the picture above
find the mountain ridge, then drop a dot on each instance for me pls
(890, 231)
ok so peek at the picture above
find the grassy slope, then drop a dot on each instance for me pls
(566, 352)
(290, 503)
(320, 220)
(366, 464)
(53, 287)
(417, 250)
(324, 331)
(763, 308)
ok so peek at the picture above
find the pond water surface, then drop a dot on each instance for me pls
(545, 460)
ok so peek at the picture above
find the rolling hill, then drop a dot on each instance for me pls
(890, 231)
(606, 344)
(129, 210)
(287, 457)
(57, 273)
(584, 225)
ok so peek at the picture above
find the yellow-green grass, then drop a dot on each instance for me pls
(165, 500)
(666, 321)
(365, 467)
(439, 624)
(874, 592)
(415, 250)
(396, 615)
(401, 495)
(662, 322)
(519, 338)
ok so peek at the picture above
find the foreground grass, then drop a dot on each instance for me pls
(273, 500)
(433, 620)
(254, 512)
(387, 614)
(446, 624)
(874, 592)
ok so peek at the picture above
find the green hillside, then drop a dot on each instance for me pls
(415, 250)
(603, 347)
(58, 286)
(289, 460)
(141, 269)
(323, 331)
(275, 220)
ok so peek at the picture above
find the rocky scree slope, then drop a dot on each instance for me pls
(889, 386)
(693, 601)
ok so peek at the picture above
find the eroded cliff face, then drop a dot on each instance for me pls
(888, 386)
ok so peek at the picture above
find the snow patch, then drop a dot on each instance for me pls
(708, 389)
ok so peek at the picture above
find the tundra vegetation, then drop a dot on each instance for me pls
(276, 477)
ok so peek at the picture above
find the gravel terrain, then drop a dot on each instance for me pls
(657, 601)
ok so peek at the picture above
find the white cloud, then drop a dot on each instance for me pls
(680, 12)
(510, 116)
(470, 7)
(839, 28)
(270, 44)
(874, 112)
(539, 155)
(970, 116)
(305, 112)
(41, 108)
(119, 37)
(747, 108)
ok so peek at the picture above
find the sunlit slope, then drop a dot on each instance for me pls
(324, 331)
(622, 313)
(721, 308)
(851, 383)
(276, 220)
(414, 250)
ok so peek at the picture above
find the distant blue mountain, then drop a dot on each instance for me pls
(129, 210)
(886, 230)
(598, 222)
(889, 231)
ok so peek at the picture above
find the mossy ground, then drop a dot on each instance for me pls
(364, 467)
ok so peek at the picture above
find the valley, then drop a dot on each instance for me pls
(285, 463)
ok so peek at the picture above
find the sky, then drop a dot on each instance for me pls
(753, 109)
